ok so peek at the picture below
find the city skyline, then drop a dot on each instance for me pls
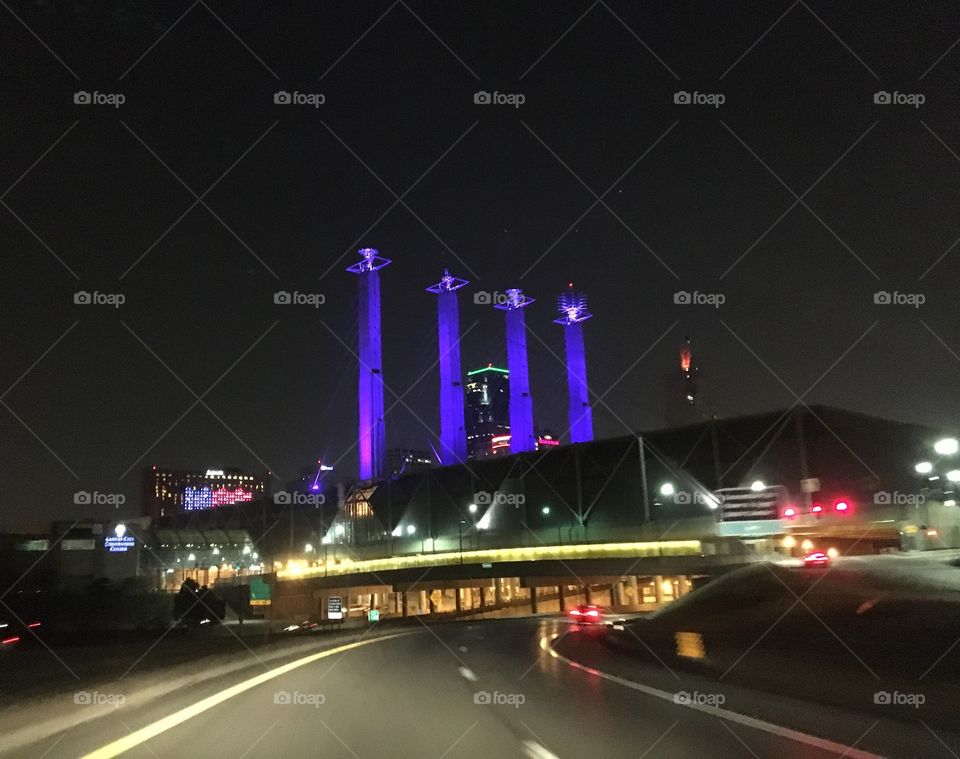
(768, 226)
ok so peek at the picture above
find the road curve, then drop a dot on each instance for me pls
(480, 689)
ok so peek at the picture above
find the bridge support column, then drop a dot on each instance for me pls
(533, 599)
(422, 601)
(483, 597)
(586, 594)
(497, 593)
(459, 600)
(562, 596)
(433, 606)
(634, 591)
(616, 594)
(658, 589)
(404, 604)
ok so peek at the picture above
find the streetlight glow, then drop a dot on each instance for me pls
(757, 485)
(954, 475)
(545, 511)
(472, 508)
(411, 528)
(947, 446)
(924, 467)
(667, 489)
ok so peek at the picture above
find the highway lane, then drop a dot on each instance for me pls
(424, 695)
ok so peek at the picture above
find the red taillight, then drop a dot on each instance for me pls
(8, 641)
(34, 624)
(816, 508)
(841, 506)
(593, 613)
(789, 512)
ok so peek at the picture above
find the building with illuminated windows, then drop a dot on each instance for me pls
(488, 412)
(166, 491)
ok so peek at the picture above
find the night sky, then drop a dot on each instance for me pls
(694, 198)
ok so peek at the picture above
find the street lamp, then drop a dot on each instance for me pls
(946, 446)
(308, 548)
(954, 475)
(757, 485)
(667, 489)
(924, 467)
(545, 511)
(472, 508)
(411, 528)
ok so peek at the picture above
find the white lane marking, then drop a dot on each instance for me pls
(172, 720)
(534, 750)
(758, 724)
(468, 674)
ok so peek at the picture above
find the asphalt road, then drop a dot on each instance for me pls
(422, 694)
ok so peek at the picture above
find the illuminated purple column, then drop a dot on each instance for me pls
(521, 404)
(372, 437)
(453, 433)
(573, 312)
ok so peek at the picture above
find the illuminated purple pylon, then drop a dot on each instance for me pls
(572, 306)
(453, 433)
(372, 438)
(521, 404)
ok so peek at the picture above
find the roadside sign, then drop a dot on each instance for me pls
(334, 607)
(373, 615)
(810, 485)
(260, 593)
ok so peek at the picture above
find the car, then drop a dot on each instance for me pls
(816, 559)
(587, 614)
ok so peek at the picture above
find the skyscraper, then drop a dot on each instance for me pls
(488, 411)
(685, 391)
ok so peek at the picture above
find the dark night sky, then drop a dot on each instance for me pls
(295, 207)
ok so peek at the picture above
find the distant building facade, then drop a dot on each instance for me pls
(167, 491)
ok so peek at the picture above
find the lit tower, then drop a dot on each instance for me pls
(572, 306)
(453, 434)
(521, 404)
(372, 440)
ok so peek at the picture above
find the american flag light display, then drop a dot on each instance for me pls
(195, 499)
